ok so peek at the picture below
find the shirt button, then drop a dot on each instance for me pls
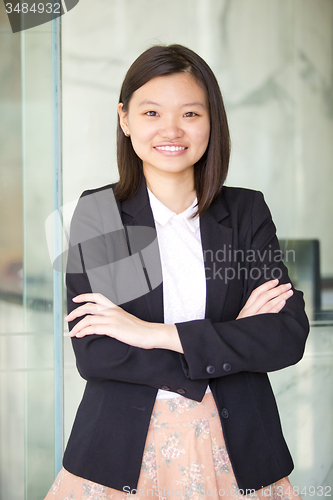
(227, 367)
(210, 369)
(165, 388)
(224, 413)
(181, 391)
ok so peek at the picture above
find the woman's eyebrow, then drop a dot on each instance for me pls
(142, 103)
(145, 102)
(194, 104)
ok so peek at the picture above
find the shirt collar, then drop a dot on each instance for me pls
(163, 214)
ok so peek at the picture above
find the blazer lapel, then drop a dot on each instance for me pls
(137, 217)
(216, 245)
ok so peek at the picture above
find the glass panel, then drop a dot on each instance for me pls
(29, 136)
(12, 338)
(305, 399)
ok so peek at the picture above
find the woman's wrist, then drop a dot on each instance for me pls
(166, 337)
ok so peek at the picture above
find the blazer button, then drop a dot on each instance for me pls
(181, 391)
(210, 369)
(227, 367)
(165, 388)
(224, 413)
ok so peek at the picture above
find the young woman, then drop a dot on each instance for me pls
(179, 305)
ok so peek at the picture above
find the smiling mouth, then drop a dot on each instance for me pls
(170, 148)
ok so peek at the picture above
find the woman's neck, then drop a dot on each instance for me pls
(175, 192)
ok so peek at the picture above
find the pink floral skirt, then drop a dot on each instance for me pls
(185, 458)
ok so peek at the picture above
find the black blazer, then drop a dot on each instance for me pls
(107, 440)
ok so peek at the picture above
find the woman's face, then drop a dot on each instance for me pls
(168, 123)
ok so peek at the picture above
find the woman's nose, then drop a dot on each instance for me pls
(171, 128)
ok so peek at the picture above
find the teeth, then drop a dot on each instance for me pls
(170, 148)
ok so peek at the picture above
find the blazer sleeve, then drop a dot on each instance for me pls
(260, 343)
(100, 357)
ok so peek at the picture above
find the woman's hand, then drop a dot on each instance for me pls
(267, 298)
(106, 318)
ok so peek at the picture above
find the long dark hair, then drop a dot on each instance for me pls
(211, 170)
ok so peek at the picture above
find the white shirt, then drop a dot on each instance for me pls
(183, 269)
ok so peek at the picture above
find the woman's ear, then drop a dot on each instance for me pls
(123, 119)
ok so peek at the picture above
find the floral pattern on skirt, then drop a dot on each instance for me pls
(185, 458)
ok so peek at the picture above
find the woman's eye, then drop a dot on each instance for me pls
(151, 113)
(190, 114)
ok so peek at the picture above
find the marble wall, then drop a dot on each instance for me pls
(273, 60)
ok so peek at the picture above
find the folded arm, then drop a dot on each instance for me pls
(100, 356)
(261, 342)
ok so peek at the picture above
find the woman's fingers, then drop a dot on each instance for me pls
(278, 292)
(98, 329)
(268, 297)
(88, 308)
(97, 298)
(96, 304)
(90, 322)
(98, 311)
(276, 304)
(268, 285)
(258, 300)
(117, 324)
